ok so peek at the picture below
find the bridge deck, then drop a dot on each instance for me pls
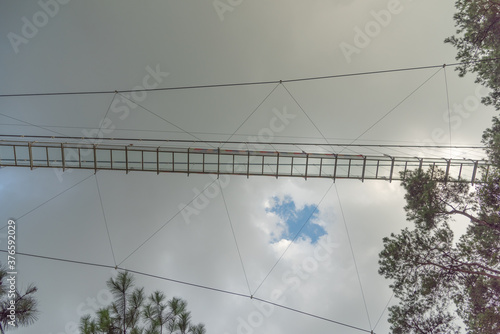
(130, 158)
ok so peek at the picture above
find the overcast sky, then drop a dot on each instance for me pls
(70, 46)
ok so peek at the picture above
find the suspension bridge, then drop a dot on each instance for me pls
(204, 157)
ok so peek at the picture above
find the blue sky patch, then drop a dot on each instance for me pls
(294, 219)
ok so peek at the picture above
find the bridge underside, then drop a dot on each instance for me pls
(220, 161)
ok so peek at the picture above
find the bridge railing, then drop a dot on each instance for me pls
(225, 161)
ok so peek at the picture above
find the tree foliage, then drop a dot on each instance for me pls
(439, 277)
(477, 39)
(132, 313)
(26, 312)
